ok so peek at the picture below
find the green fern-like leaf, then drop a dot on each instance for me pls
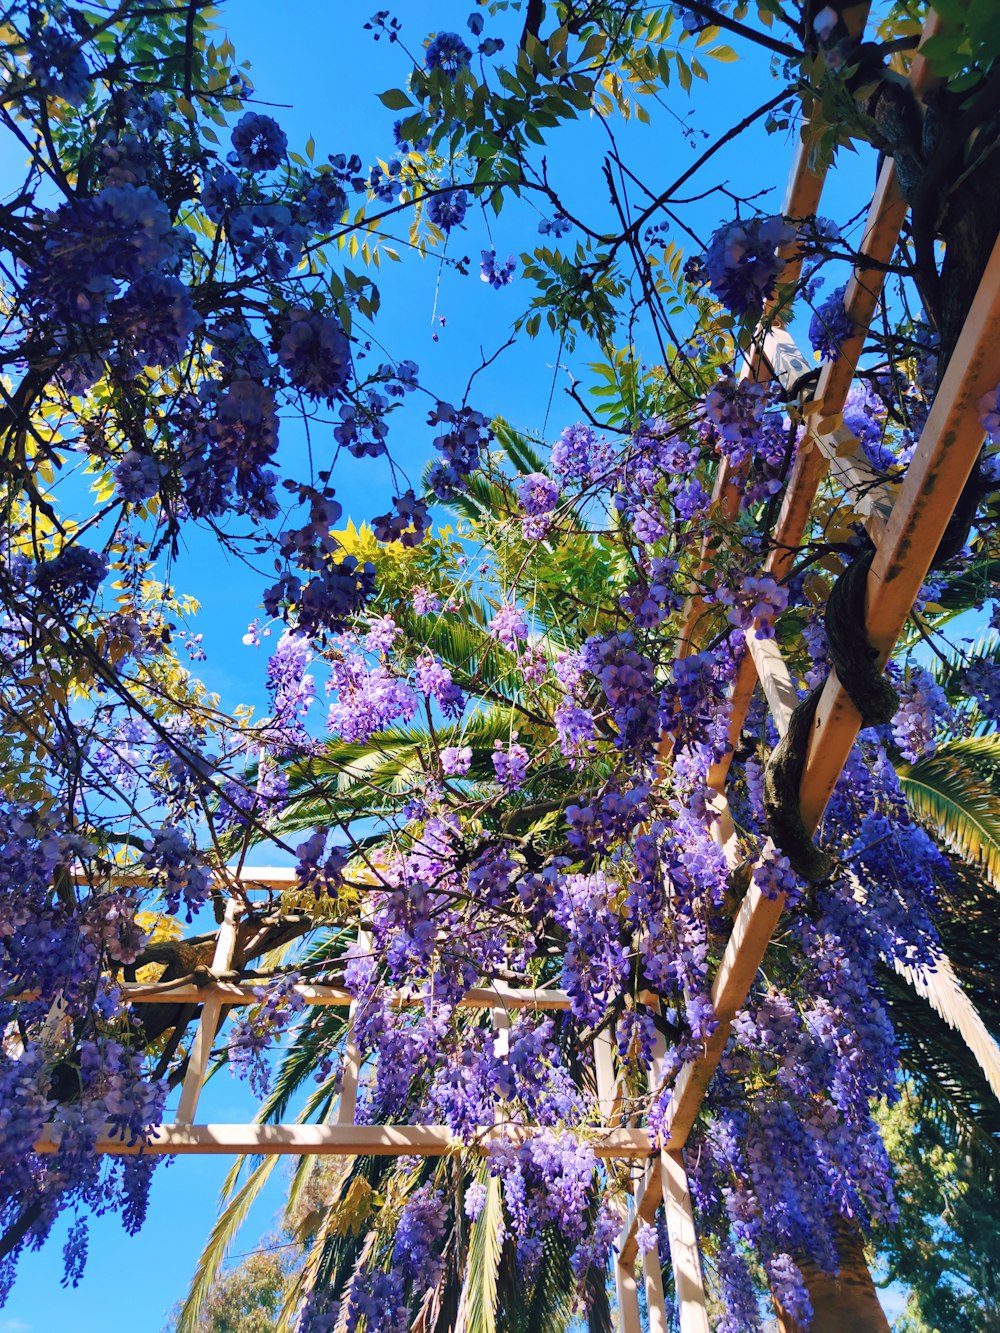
(479, 1297)
(961, 809)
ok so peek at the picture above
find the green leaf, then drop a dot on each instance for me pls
(959, 808)
(480, 1293)
(395, 99)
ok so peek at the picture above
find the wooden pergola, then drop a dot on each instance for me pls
(905, 531)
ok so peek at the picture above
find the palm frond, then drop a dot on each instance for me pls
(517, 447)
(479, 1293)
(961, 809)
(546, 1303)
(477, 662)
(967, 590)
(941, 989)
(949, 1078)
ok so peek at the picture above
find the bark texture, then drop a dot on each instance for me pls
(847, 1303)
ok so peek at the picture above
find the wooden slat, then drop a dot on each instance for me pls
(774, 678)
(342, 1140)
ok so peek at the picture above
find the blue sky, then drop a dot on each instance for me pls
(315, 61)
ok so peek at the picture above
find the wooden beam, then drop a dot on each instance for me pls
(772, 673)
(251, 992)
(656, 1301)
(941, 464)
(350, 1074)
(648, 1197)
(342, 1140)
(627, 1292)
(861, 297)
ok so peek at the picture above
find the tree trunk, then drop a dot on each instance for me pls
(847, 1303)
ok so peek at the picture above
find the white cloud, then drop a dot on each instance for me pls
(14, 1326)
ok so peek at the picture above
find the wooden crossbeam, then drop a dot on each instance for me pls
(251, 992)
(343, 1140)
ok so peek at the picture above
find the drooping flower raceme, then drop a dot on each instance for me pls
(743, 263)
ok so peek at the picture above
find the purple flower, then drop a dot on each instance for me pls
(407, 524)
(539, 496)
(831, 326)
(509, 625)
(475, 1199)
(291, 688)
(434, 680)
(690, 21)
(773, 875)
(57, 65)
(756, 603)
(156, 317)
(646, 1239)
(220, 193)
(425, 603)
(743, 264)
(318, 868)
(578, 455)
(460, 448)
(316, 353)
(497, 277)
(576, 728)
(137, 477)
(367, 700)
(72, 577)
(510, 764)
(989, 414)
(556, 226)
(981, 680)
(923, 709)
(446, 51)
(259, 141)
(456, 760)
(447, 210)
(382, 634)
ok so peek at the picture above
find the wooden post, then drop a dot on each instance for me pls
(609, 1090)
(208, 1024)
(656, 1300)
(351, 1072)
(628, 1298)
(684, 1257)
